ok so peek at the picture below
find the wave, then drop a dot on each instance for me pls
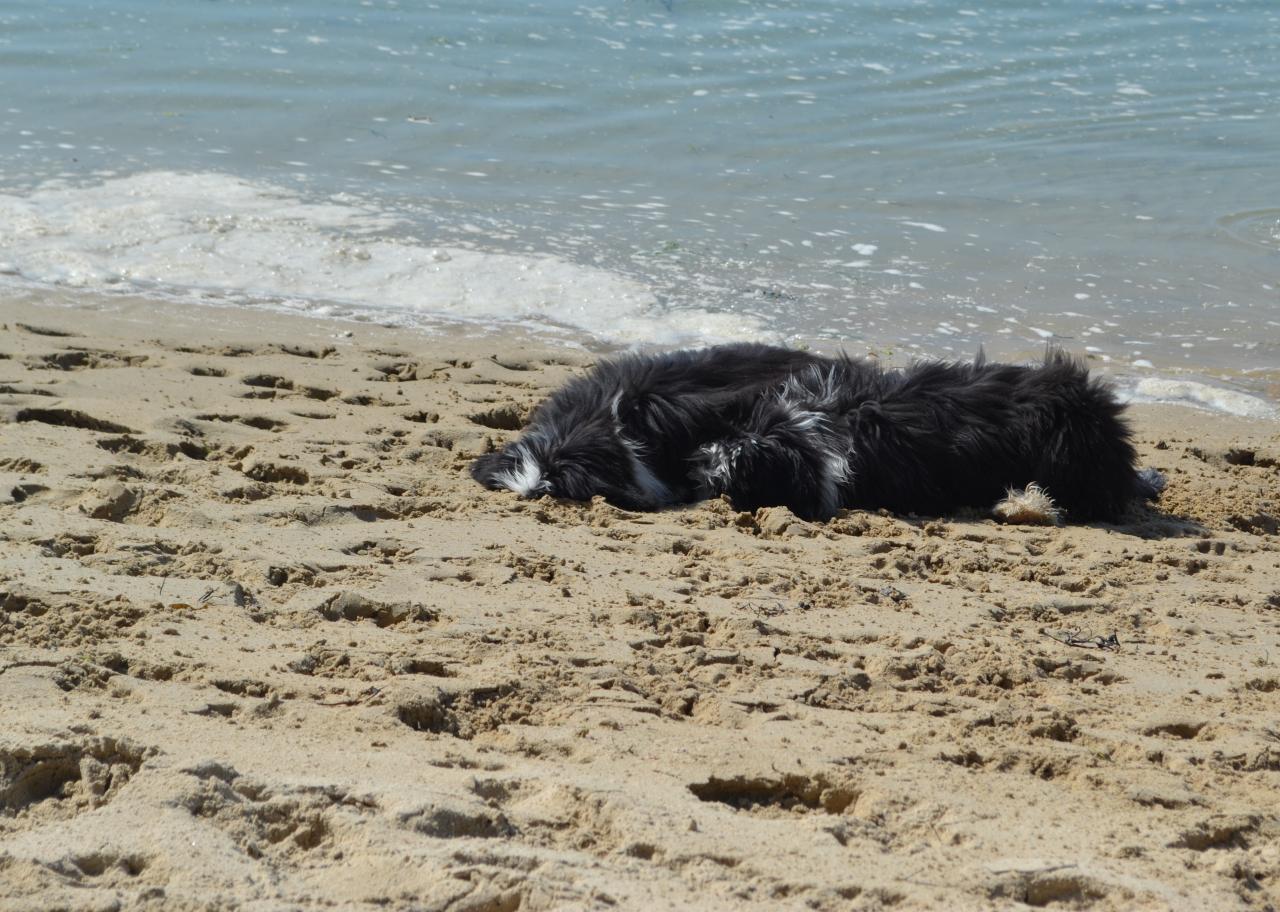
(1200, 395)
(212, 234)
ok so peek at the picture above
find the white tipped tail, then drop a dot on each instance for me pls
(1151, 483)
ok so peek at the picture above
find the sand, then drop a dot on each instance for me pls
(265, 645)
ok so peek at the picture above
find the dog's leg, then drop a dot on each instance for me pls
(785, 457)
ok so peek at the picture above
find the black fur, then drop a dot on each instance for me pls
(770, 426)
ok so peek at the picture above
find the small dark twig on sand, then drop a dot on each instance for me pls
(354, 701)
(32, 663)
(1084, 640)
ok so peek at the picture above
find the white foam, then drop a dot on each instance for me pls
(211, 233)
(1201, 395)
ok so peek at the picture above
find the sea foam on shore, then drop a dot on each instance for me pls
(214, 236)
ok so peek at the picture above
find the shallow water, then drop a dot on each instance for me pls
(912, 177)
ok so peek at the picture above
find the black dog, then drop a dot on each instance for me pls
(771, 426)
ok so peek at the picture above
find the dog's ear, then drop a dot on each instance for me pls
(486, 467)
(628, 417)
(653, 417)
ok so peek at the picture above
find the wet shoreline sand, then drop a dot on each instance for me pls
(263, 644)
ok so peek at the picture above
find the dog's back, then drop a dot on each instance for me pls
(943, 435)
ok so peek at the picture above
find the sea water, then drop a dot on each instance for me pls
(906, 177)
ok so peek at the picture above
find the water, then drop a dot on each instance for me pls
(912, 177)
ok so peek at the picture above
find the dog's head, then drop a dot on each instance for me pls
(575, 463)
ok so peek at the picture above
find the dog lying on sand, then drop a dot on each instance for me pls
(770, 426)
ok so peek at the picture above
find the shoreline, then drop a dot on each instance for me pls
(263, 641)
(1245, 393)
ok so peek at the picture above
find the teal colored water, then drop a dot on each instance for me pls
(916, 176)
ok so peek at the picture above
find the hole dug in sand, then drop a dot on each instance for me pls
(103, 868)
(353, 606)
(73, 419)
(1050, 886)
(500, 418)
(466, 714)
(262, 822)
(62, 779)
(793, 793)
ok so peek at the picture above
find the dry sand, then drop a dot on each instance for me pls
(263, 644)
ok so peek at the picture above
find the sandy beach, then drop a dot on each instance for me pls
(264, 644)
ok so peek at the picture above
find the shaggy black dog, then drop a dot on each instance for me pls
(775, 427)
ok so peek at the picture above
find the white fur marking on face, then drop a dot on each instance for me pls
(526, 478)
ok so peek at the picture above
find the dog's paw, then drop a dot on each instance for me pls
(1031, 506)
